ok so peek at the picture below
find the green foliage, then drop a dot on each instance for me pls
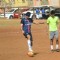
(44, 2)
(3, 1)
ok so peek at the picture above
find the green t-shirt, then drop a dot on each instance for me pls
(53, 22)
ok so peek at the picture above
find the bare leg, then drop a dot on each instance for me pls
(29, 43)
(57, 43)
(31, 39)
(51, 44)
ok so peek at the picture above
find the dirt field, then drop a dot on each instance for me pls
(13, 45)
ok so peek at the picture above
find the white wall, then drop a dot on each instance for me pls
(55, 3)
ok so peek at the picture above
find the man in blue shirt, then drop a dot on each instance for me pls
(26, 29)
(37, 13)
(43, 13)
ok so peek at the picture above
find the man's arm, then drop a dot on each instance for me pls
(59, 25)
(33, 21)
(47, 27)
(22, 26)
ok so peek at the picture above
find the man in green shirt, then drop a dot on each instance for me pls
(52, 22)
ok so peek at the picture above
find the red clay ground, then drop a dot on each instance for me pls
(13, 45)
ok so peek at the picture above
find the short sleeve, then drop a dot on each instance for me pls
(22, 21)
(57, 19)
(48, 21)
(31, 20)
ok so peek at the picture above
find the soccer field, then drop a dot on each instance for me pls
(13, 45)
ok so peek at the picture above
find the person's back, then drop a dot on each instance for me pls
(37, 11)
(43, 13)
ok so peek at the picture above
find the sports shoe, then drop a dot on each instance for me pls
(52, 50)
(57, 50)
(30, 53)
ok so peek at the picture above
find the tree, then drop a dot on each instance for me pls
(44, 2)
(23, 1)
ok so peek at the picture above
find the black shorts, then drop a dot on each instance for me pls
(25, 34)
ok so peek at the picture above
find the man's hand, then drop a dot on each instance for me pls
(22, 28)
(22, 31)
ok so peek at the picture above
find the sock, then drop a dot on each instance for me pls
(29, 45)
(51, 47)
(56, 46)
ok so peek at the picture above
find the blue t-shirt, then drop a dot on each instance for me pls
(37, 11)
(43, 11)
(27, 24)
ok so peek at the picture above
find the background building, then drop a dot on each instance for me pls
(18, 3)
(54, 3)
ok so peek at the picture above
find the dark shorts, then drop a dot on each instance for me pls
(25, 34)
(53, 34)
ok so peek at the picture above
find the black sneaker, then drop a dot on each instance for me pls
(52, 50)
(57, 50)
